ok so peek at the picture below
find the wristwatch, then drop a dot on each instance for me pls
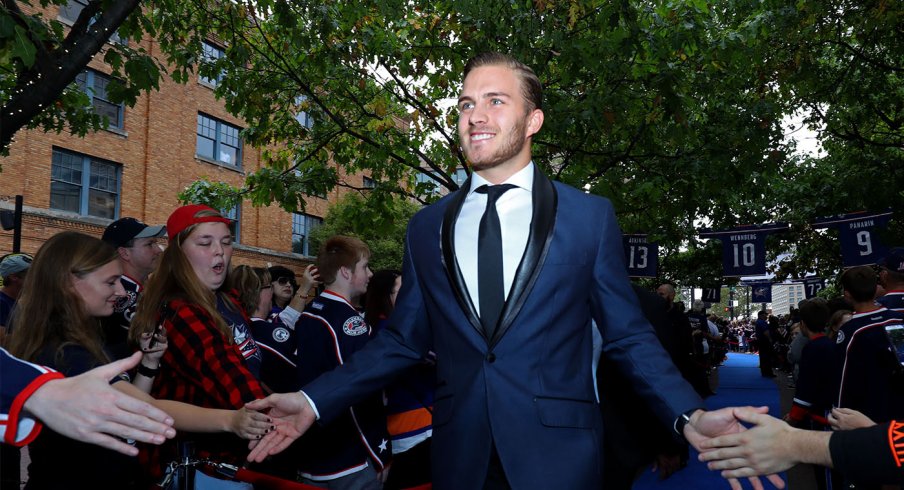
(683, 420)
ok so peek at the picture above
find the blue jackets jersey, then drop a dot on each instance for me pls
(241, 332)
(870, 370)
(893, 300)
(116, 326)
(329, 332)
(7, 304)
(409, 404)
(277, 346)
(817, 383)
(20, 380)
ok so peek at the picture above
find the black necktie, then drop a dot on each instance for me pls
(490, 283)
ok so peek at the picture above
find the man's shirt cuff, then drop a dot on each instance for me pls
(313, 407)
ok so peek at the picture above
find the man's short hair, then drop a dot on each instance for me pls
(337, 252)
(762, 314)
(860, 282)
(531, 89)
(814, 313)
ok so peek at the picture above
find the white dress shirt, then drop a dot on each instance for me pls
(515, 209)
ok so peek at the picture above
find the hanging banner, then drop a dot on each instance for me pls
(641, 256)
(712, 295)
(760, 291)
(857, 232)
(813, 285)
(744, 248)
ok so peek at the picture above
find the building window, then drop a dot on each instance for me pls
(460, 176)
(302, 226)
(211, 53)
(301, 116)
(235, 225)
(73, 9)
(427, 180)
(219, 141)
(84, 185)
(368, 182)
(95, 84)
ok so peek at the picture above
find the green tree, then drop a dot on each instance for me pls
(40, 57)
(648, 104)
(382, 226)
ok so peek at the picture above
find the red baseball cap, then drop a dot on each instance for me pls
(186, 216)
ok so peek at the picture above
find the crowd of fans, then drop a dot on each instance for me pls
(215, 337)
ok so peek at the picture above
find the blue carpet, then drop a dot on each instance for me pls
(740, 384)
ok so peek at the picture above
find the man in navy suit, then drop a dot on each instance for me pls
(515, 405)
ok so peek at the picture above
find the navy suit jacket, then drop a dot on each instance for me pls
(529, 388)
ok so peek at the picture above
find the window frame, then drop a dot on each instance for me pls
(207, 58)
(85, 182)
(235, 216)
(91, 76)
(63, 14)
(217, 141)
(308, 222)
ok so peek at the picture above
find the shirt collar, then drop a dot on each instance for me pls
(523, 178)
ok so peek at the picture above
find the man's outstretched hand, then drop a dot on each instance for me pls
(88, 409)
(291, 414)
(705, 425)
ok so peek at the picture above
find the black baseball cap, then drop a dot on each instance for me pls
(894, 260)
(124, 230)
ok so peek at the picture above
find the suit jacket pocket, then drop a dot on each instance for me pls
(564, 412)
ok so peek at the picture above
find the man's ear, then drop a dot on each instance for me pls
(124, 253)
(345, 272)
(534, 122)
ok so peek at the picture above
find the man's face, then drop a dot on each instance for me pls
(494, 124)
(360, 277)
(142, 255)
(666, 292)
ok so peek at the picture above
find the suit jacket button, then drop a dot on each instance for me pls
(491, 358)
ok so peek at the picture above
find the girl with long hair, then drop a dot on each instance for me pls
(72, 283)
(275, 339)
(212, 359)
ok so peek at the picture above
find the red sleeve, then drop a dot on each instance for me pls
(31, 426)
(200, 353)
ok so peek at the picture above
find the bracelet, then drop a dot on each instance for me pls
(148, 372)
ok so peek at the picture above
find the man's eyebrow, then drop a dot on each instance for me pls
(484, 96)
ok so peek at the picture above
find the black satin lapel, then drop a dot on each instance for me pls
(447, 244)
(545, 202)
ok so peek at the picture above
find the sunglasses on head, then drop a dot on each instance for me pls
(282, 281)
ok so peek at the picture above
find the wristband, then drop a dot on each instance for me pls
(148, 372)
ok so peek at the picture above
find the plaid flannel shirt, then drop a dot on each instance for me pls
(201, 368)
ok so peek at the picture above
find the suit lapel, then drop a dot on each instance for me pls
(545, 203)
(447, 243)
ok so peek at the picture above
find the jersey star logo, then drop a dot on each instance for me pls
(383, 445)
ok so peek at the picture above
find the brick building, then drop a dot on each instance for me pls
(151, 151)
